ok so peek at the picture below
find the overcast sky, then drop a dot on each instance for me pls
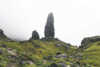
(74, 19)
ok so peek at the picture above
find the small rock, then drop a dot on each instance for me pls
(12, 52)
(22, 62)
(9, 48)
(44, 61)
(61, 56)
(29, 62)
(1, 51)
(68, 66)
(58, 53)
(58, 45)
(26, 61)
(35, 35)
(3, 45)
(67, 46)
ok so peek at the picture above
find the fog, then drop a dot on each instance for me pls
(74, 19)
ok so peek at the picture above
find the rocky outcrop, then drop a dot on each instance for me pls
(49, 28)
(1, 32)
(86, 41)
(35, 36)
(2, 35)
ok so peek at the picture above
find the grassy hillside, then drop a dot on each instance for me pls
(53, 53)
(49, 53)
(91, 55)
(36, 53)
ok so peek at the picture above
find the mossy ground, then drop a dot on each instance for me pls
(40, 53)
(91, 55)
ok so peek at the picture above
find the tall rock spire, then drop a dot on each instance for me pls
(49, 28)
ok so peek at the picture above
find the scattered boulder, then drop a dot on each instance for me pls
(12, 52)
(22, 62)
(3, 45)
(58, 53)
(26, 62)
(44, 61)
(67, 46)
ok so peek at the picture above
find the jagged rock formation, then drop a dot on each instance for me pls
(1, 32)
(2, 35)
(49, 28)
(86, 41)
(35, 36)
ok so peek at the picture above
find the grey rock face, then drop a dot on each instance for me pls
(1, 51)
(49, 28)
(58, 45)
(88, 40)
(1, 32)
(35, 36)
